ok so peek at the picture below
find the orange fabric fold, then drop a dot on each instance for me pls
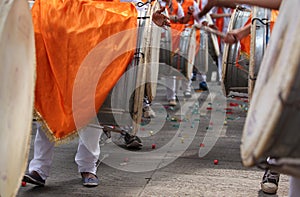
(66, 34)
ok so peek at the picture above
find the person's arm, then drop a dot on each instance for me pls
(272, 4)
(237, 34)
(214, 16)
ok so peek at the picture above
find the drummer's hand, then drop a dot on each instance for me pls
(231, 37)
(212, 3)
(160, 19)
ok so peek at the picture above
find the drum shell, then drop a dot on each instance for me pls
(235, 64)
(124, 104)
(184, 60)
(201, 57)
(260, 32)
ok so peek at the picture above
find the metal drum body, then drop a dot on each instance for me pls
(201, 57)
(165, 51)
(235, 65)
(184, 61)
(17, 75)
(124, 104)
(272, 124)
(260, 33)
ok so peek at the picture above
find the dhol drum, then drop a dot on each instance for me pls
(235, 67)
(260, 33)
(214, 37)
(165, 51)
(124, 104)
(201, 57)
(152, 54)
(272, 125)
(184, 60)
(17, 71)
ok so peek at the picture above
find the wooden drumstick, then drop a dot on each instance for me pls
(211, 30)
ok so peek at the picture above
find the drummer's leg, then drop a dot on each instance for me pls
(87, 155)
(294, 187)
(171, 89)
(43, 154)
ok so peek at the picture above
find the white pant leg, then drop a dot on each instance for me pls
(220, 66)
(43, 154)
(88, 151)
(171, 87)
(201, 77)
(294, 190)
(186, 85)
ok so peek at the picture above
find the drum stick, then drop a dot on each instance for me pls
(213, 31)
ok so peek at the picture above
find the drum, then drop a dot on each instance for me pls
(260, 32)
(272, 124)
(235, 65)
(201, 58)
(17, 74)
(184, 60)
(165, 51)
(124, 104)
(214, 37)
(152, 55)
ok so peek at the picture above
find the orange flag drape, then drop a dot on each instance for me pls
(66, 32)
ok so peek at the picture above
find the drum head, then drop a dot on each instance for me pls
(17, 74)
(235, 65)
(272, 124)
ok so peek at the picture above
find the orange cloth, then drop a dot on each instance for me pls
(66, 32)
(220, 23)
(178, 28)
(245, 42)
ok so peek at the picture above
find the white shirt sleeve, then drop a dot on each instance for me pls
(180, 12)
(196, 12)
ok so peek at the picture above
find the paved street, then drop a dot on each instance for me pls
(173, 168)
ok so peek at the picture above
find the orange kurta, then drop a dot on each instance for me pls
(69, 37)
(245, 42)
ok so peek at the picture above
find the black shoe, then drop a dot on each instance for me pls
(203, 86)
(34, 178)
(269, 184)
(89, 179)
(132, 141)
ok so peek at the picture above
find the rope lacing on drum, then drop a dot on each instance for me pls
(294, 104)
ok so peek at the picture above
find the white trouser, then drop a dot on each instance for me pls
(43, 155)
(294, 190)
(201, 77)
(172, 84)
(186, 85)
(220, 57)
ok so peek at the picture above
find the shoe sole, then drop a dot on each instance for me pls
(134, 144)
(268, 190)
(90, 184)
(29, 179)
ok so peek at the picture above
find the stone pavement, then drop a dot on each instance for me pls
(174, 167)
